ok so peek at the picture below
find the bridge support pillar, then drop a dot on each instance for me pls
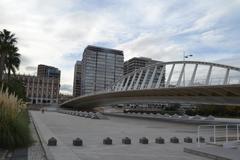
(193, 75)
(170, 76)
(126, 84)
(181, 75)
(160, 77)
(138, 80)
(121, 86)
(226, 77)
(131, 84)
(209, 75)
(116, 87)
(152, 77)
(145, 78)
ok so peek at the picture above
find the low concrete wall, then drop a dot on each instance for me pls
(167, 119)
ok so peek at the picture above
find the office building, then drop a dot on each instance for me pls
(77, 79)
(43, 88)
(136, 63)
(48, 71)
(40, 90)
(139, 62)
(101, 67)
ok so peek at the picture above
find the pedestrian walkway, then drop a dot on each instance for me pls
(65, 128)
(60, 152)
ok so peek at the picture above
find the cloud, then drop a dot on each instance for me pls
(66, 88)
(31, 68)
(153, 46)
(230, 60)
(55, 33)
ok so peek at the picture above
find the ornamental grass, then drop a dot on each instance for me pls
(14, 122)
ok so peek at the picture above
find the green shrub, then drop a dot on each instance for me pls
(14, 86)
(14, 124)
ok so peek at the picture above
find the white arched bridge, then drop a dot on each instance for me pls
(192, 82)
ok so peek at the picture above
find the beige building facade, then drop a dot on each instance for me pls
(40, 90)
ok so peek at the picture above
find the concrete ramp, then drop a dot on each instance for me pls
(214, 152)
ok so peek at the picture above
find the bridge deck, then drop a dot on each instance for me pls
(219, 95)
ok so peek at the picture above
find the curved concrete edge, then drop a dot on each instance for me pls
(204, 154)
(48, 154)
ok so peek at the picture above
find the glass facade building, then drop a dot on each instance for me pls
(101, 67)
(77, 79)
(48, 71)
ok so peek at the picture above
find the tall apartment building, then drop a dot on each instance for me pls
(48, 71)
(101, 67)
(77, 79)
(136, 63)
(40, 90)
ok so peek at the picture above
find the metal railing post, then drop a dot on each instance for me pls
(238, 132)
(214, 134)
(226, 133)
(198, 136)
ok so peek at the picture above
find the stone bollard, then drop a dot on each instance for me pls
(126, 140)
(107, 141)
(174, 140)
(159, 140)
(77, 142)
(52, 142)
(188, 140)
(143, 140)
(201, 139)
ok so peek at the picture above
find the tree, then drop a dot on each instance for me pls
(7, 41)
(12, 61)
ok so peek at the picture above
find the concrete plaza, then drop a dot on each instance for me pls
(66, 128)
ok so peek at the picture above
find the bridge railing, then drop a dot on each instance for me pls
(225, 134)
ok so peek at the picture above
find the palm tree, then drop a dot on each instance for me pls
(7, 41)
(12, 61)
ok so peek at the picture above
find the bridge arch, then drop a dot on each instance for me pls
(154, 76)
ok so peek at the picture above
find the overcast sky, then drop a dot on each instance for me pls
(55, 32)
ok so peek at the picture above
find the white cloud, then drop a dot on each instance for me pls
(153, 46)
(49, 31)
(212, 37)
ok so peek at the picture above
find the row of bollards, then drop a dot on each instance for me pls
(168, 116)
(108, 141)
(85, 114)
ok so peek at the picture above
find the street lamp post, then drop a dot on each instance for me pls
(185, 57)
